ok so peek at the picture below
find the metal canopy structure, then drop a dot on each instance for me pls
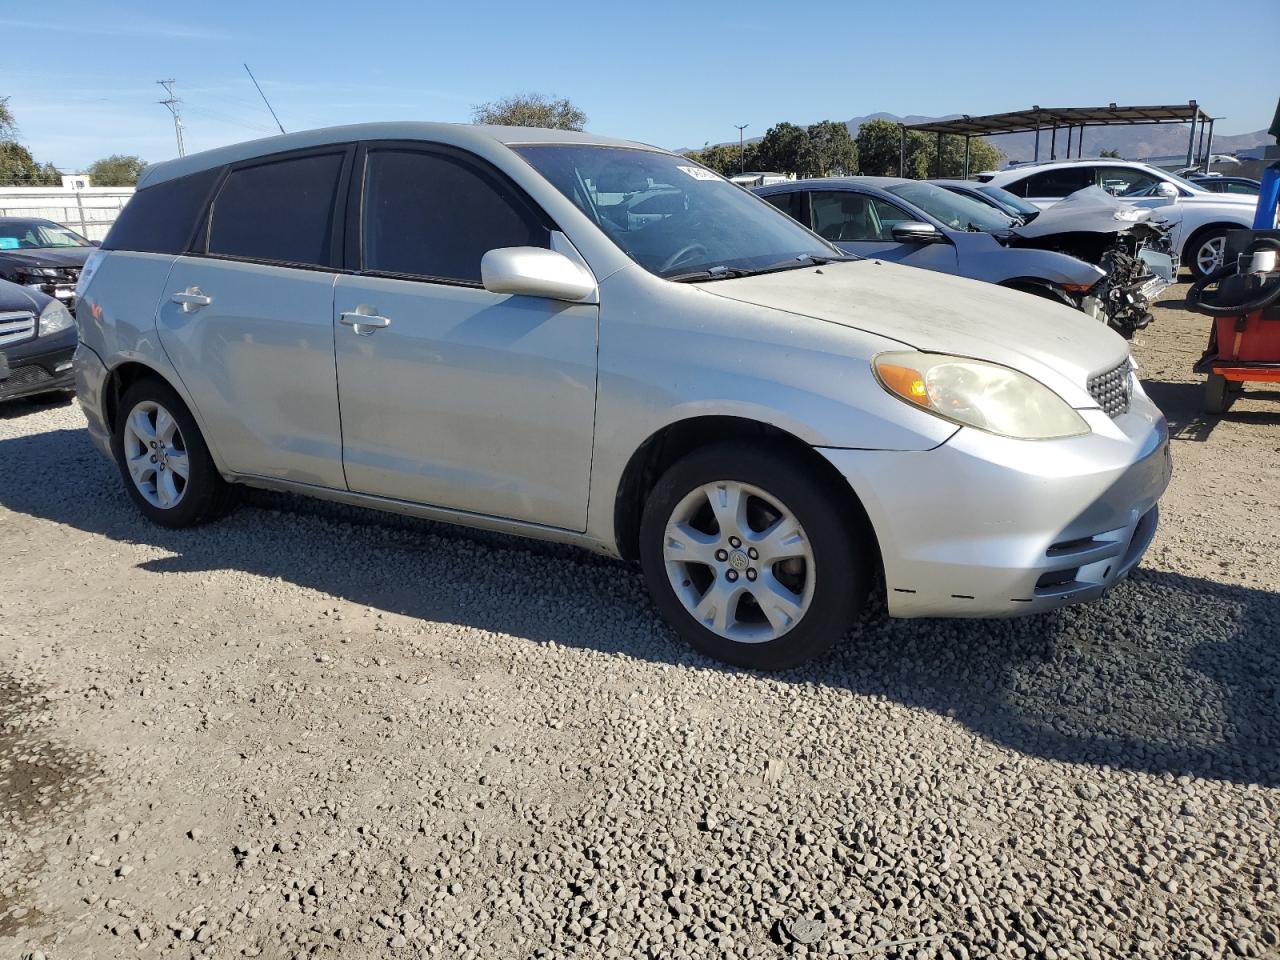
(1052, 119)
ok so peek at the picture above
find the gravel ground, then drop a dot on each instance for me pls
(304, 731)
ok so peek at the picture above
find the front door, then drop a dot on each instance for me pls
(451, 395)
(862, 224)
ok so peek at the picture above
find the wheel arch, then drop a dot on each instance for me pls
(675, 440)
(1195, 237)
(1038, 286)
(119, 379)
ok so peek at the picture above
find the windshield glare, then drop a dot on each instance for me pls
(670, 215)
(37, 234)
(955, 211)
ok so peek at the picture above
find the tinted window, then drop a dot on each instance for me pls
(161, 219)
(280, 211)
(1053, 183)
(1240, 188)
(789, 203)
(434, 215)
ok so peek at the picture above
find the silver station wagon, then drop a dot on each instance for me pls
(599, 342)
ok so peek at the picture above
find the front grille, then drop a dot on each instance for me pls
(25, 376)
(16, 327)
(1113, 390)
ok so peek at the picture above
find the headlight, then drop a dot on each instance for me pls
(979, 394)
(40, 273)
(54, 319)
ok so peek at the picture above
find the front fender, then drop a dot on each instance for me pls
(982, 257)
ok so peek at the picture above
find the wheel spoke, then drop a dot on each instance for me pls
(140, 423)
(178, 464)
(781, 607)
(718, 607)
(782, 540)
(140, 466)
(166, 489)
(165, 426)
(729, 504)
(684, 543)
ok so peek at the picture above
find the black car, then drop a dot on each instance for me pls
(43, 255)
(37, 339)
(1241, 185)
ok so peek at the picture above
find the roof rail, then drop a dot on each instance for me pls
(1018, 165)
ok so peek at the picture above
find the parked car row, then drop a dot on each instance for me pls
(602, 343)
(1199, 217)
(43, 256)
(1101, 257)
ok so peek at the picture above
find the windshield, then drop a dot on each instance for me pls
(670, 215)
(36, 234)
(957, 212)
(1011, 201)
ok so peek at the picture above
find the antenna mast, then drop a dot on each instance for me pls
(172, 103)
(264, 98)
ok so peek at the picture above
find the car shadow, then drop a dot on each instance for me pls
(1183, 406)
(1167, 675)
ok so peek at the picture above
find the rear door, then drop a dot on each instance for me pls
(247, 319)
(451, 395)
(863, 224)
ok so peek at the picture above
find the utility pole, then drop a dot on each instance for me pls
(742, 153)
(172, 102)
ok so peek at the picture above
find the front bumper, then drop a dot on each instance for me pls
(984, 526)
(42, 365)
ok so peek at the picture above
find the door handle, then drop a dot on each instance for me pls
(191, 299)
(364, 323)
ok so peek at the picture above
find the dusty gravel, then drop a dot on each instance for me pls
(304, 732)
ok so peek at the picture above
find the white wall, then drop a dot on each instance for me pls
(89, 212)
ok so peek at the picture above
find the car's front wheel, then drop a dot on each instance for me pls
(1206, 253)
(752, 558)
(164, 460)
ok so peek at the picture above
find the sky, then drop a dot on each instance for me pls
(673, 74)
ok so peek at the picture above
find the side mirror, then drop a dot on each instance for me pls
(1166, 190)
(95, 243)
(535, 272)
(916, 231)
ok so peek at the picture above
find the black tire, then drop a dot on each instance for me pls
(205, 494)
(839, 538)
(1217, 394)
(1193, 247)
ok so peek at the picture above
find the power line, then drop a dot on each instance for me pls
(172, 103)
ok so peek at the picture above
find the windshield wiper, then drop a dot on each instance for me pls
(712, 273)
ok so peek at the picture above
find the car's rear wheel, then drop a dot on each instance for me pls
(751, 558)
(164, 460)
(1206, 253)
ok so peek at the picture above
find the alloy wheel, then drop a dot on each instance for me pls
(156, 455)
(739, 561)
(1209, 256)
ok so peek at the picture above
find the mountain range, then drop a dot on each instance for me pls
(1134, 142)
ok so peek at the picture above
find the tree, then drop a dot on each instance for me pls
(531, 110)
(1114, 154)
(8, 126)
(783, 148)
(830, 150)
(18, 168)
(878, 144)
(116, 170)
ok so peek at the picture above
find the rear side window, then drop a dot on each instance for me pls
(789, 203)
(162, 219)
(280, 211)
(1053, 183)
(435, 215)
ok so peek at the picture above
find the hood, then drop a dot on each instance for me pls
(1091, 210)
(14, 296)
(47, 256)
(1057, 345)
